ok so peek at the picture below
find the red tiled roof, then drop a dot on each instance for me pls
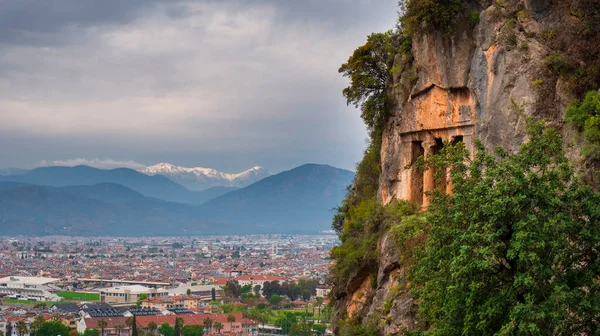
(219, 281)
(198, 319)
(258, 278)
(111, 322)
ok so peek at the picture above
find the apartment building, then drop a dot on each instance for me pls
(130, 295)
(29, 288)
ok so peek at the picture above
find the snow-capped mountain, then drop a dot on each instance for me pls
(199, 178)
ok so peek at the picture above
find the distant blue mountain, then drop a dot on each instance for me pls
(12, 171)
(299, 200)
(157, 186)
(295, 201)
(104, 209)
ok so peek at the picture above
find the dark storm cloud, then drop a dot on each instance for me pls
(36, 21)
(341, 13)
(254, 81)
(39, 22)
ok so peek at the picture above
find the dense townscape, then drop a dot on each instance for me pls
(255, 284)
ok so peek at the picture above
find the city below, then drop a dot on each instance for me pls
(226, 285)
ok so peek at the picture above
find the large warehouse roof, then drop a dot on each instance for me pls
(27, 280)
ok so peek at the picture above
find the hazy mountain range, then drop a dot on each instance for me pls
(83, 200)
(12, 171)
(158, 186)
(195, 179)
(295, 201)
(199, 178)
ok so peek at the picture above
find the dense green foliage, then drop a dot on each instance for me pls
(285, 321)
(166, 330)
(357, 221)
(357, 253)
(36, 324)
(361, 219)
(275, 299)
(302, 289)
(514, 250)
(232, 289)
(192, 330)
(575, 56)
(581, 74)
(319, 328)
(178, 326)
(354, 328)
(52, 328)
(91, 332)
(368, 69)
(300, 329)
(585, 115)
(434, 14)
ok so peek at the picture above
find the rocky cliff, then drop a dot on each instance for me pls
(477, 79)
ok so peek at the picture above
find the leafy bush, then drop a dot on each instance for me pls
(580, 112)
(585, 115)
(166, 330)
(515, 249)
(557, 64)
(357, 254)
(473, 18)
(368, 69)
(355, 328)
(523, 14)
(536, 83)
(52, 328)
(192, 330)
(576, 51)
(363, 189)
(275, 299)
(431, 15)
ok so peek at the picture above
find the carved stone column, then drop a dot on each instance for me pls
(448, 181)
(428, 175)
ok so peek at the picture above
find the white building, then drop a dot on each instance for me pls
(3, 323)
(323, 291)
(28, 288)
(129, 295)
(4, 326)
(254, 280)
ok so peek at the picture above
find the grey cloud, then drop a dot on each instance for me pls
(38, 21)
(226, 84)
(35, 21)
(341, 13)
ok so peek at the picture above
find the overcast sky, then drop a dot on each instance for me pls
(226, 84)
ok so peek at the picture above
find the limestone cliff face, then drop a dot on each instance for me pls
(472, 83)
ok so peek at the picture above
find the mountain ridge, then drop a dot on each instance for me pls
(308, 193)
(199, 178)
(157, 186)
(295, 201)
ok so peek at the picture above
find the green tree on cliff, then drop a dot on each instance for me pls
(585, 115)
(368, 69)
(515, 250)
